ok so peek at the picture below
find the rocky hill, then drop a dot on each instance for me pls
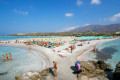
(98, 28)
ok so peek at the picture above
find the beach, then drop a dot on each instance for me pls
(64, 58)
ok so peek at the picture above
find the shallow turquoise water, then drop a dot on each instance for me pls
(23, 61)
(93, 37)
(109, 51)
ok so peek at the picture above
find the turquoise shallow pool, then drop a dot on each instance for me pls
(93, 37)
(23, 61)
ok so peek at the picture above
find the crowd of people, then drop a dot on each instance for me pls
(8, 57)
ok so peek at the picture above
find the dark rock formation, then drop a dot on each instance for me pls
(104, 66)
(3, 73)
(92, 70)
(116, 74)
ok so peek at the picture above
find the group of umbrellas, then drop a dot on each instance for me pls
(51, 40)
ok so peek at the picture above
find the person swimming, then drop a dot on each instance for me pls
(10, 56)
(7, 56)
(3, 58)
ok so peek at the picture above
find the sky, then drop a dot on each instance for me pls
(29, 16)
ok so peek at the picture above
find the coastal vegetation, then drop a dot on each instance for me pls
(77, 34)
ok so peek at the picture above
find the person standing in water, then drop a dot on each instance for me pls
(95, 49)
(55, 70)
(7, 56)
(30, 47)
(3, 58)
(10, 56)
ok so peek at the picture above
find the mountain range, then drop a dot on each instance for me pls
(98, 28)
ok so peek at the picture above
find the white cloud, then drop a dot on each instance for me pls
(79, 2)
(20, 12)
(69, 14)
(86, 24)
(95, 2)
(68, 28)
(115, 17)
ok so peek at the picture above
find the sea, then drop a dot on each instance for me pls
(23, 59)
(108, 51)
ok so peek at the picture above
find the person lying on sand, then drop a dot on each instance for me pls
(59, 51)
(66, 49)
(61, 55)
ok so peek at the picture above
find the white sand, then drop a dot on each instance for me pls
(64, 64)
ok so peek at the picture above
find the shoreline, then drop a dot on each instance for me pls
(64, 64)
(88, 50)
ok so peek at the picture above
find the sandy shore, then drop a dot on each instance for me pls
(67, 61)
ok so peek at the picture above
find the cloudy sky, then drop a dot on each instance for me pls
(28, 16)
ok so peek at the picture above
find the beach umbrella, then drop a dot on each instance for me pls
(64, 41)
(51, 41)
(29, 39)
(38, 39)
(33, 39)
(47, 41)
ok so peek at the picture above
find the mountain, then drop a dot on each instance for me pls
(98, 28)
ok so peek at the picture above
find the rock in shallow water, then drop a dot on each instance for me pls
(104, 66)
(116, 74)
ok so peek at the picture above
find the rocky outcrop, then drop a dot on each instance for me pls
(33, 75)
(104, 66)
(116, 74)
(92, 70)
